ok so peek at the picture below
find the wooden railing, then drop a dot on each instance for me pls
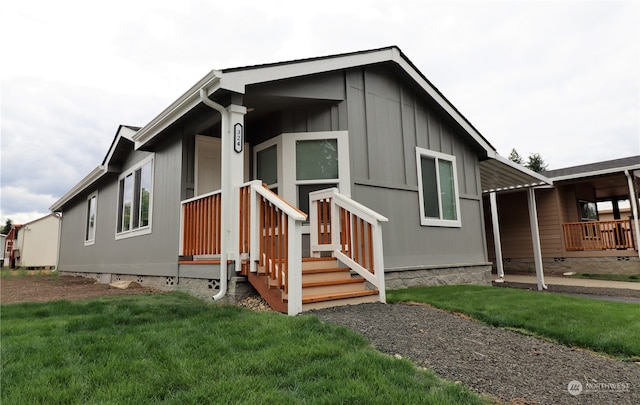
(271, 235)
(200, 225)
(598, 235)
(351, 232)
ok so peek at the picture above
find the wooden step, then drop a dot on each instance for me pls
(326, 274)
(309, 263)
(332, 287)
(339, 299)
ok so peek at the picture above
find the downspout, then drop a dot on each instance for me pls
(224, 123)
(633, 198)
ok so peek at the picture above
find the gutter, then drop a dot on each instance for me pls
(224, 124)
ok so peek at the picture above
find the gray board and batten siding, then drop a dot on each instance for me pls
(386, 115)
(155, 253)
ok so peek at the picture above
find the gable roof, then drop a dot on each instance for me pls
(121, 140)
(595, 169)
(236, 80)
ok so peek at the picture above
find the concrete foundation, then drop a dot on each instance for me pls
(428, 276)
(238, 288)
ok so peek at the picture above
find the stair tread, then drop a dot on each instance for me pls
(337, 296)
(333, 282)
(325, 270)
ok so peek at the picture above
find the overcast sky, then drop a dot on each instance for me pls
(554, 77)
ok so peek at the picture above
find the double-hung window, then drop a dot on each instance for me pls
(135, 200)
(90, 225)
(437, 189)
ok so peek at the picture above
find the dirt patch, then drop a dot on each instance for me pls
(50, 287)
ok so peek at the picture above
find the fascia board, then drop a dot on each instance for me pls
(595, 173)
(182, 105)
(237, 80)
(87, 181)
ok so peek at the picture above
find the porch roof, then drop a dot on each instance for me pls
(501, 174)
(630, 164)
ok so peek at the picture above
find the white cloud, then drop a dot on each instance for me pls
(558, 78)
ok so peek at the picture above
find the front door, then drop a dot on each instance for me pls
(208, 163)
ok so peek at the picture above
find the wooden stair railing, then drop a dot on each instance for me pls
(350, 232)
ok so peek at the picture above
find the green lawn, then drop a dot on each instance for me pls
(173, 348)
(604, 326)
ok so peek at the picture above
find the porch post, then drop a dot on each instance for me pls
(232, 177)
(633, 199)
(497, 241)
(535, 236)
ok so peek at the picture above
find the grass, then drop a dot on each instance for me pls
(611, 277)
(176, 349)
(604, 326)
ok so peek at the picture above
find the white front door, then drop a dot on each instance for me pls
(208, 164)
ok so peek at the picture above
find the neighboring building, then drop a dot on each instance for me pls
(3, 238)
(408, 168)
(574, 235)
(34, 245)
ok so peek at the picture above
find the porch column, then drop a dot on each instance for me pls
(232, 176)
(497, 241)
(633, 199)
(535, 236)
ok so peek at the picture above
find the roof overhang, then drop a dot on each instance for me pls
(500, 174)
(123, 135)
(86, 182)
(237, 79)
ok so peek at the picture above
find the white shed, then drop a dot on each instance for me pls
(38, 242)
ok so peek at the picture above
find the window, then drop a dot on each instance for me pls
(588, 211)
(90, 226)
(437, 189)
(134, 200)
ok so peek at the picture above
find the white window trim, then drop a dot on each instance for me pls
(146, 229)
(89, 242)
(277, 141)
(427, 221)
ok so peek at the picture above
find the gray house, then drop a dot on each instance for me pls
(316, 181)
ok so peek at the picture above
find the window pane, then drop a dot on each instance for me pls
(303, 194)
(91, 219)
(317, 159)
(267, 166)
(429, 187)
(127, 202)
(447, 190)
(145, 194)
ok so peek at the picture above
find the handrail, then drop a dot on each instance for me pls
(270, 234)
(598, 235)
(351, 232)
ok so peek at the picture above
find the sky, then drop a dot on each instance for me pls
(558, 78)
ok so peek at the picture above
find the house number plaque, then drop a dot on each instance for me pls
(238, 138)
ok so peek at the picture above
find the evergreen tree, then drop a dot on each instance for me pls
(514, 156)
(536, 163)
(7, 227)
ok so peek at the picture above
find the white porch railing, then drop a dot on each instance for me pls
(271, 235)
(351, 232)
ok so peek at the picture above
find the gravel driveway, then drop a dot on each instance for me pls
(508, 365)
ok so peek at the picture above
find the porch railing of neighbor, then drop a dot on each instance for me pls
(351, 232)
(598, 235)
(200, 225)
(271, 237)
